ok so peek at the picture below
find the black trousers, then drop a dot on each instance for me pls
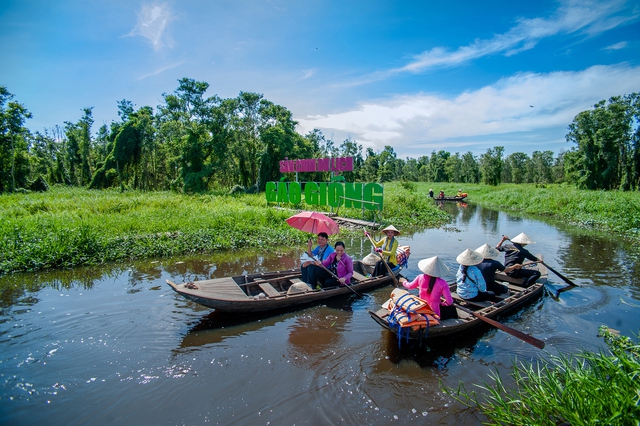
(530, 276)
(380, 269)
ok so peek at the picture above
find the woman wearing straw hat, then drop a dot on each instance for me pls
(433, 287)
(471, 283)
(516, 253)
(387, 247)
(489, 266)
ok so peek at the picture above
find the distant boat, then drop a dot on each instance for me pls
(456, 198)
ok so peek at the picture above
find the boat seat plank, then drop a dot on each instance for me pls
(501, 276)
(480, 304)
(270, 290)
(358, 276)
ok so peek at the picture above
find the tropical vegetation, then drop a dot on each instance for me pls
(583, 389)
(196, 143)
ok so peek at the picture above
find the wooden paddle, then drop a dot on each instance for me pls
(567, 280)
(395, 280)
(336, 277)
(519, 334)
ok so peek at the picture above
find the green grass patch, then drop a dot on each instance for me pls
(611, 211)
(583, 389)
(67, 227)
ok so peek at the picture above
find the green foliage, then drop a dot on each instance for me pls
(583, 389)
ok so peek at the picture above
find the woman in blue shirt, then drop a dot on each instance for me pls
(471, 283)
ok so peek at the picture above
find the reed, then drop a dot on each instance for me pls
(582, 389)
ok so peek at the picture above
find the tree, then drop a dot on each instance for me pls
(470, 170)
(13, 167)
(491, 165)
(607, 144)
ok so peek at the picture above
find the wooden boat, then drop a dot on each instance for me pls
(451, 198)
(269, 291)
(516, 298)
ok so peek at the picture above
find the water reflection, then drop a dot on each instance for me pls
(118, 339)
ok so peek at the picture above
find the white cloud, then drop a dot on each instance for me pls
(617, 46)
(160, 70)
(584, 17)
(426, 121)
(152, 25)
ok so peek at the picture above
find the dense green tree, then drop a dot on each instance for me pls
(437, 169)
(516, 168)
(470, 170)
(606, 144)
(491, 165)
(14, 166)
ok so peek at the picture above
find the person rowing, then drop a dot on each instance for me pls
(387, 247)
(341, 266)
(515, 253)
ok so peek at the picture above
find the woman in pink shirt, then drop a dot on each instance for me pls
(433, 287)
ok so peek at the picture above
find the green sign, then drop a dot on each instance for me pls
(334, 194)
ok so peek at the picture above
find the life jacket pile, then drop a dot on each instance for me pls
(402, 256)
(408, 312)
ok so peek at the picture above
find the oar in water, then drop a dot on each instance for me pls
(519, 334)
(395, 280)
(567, 280)
(336, 277)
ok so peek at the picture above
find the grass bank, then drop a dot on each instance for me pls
(68, 227)
(612, 211)
(583, 389)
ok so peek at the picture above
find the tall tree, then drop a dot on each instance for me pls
(13, 167)
(491, 165)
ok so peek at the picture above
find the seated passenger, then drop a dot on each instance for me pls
(340, 264)
(321, 252)
(471, 283)
(489, 266)
(433, 287)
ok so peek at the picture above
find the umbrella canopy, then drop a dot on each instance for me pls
(313, 222)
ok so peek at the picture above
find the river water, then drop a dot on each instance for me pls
(115, 345)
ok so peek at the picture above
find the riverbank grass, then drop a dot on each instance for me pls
(67, 227)
(583, 389)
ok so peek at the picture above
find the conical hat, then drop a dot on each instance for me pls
(522, 239)
(488, 252)
(370, 259)
(434, 267)
(469, 258)
(391, 228)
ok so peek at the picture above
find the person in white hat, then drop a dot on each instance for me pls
(471, 283)
(489, 266)
(387, 247)
(433, 287)
(515, 253)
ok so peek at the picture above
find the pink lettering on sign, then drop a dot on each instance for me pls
(341, 164)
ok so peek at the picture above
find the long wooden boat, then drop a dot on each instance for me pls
(270, 291)
(516, 298)
(450, 198)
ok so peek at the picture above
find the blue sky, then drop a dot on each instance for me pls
(416, 75)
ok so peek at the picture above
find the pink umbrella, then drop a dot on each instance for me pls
(313, 222)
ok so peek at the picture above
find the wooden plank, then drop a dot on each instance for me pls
(270, 290)
(356, 222)
(479, 304)
(358, 276)
(501, 276)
